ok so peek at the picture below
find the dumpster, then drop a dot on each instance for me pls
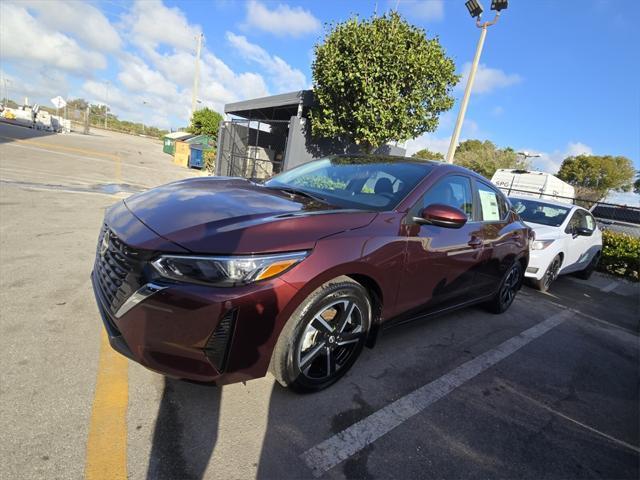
(169, 141)
(196, 158)
(183, 148)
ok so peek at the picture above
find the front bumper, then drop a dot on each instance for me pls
(199, 333)
(539, 261)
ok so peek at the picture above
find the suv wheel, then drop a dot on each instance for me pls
(586, 273)
(324, 336)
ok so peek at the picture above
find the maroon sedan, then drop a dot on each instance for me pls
(221, 279)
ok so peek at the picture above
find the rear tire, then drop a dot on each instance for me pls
(324, 337)
(549, 275)
(509, 287)
(586, 273)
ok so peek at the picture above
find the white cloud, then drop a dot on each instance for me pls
(81, 20)
(282, 21)
(550, 161)
(497, 111)
(150, 23)
(487, 79)
(25, 40)
(436, 143)
(423, 9)
(285, 77)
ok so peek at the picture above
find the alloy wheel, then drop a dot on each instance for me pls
(330, 340)
(552, 273)
(510, 286)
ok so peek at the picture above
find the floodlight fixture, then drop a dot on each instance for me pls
(498, 5)
(474, 7)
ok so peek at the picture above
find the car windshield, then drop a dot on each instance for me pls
(539, 212)
(360, 182)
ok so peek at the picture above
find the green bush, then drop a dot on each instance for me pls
(320, 183)
(620, 255)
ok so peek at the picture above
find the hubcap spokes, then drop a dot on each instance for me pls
(509, 288)
(330, 339)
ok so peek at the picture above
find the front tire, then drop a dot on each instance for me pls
(509, 287)
(549, 275)
(324, 336)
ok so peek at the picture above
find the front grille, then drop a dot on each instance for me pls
(217, 348)
(117, 270)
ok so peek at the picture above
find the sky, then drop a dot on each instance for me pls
(556, 77)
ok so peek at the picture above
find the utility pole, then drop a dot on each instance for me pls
(475, 10)
(196, 76)
(106, 101)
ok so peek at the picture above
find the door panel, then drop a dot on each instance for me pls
(441, 262)
(503, 239)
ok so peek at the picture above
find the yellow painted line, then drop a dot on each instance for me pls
(107, 443)
(60, 148)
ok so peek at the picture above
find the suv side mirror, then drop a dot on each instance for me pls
(441, 216)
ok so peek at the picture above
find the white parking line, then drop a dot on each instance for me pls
(612, 286)
(350, 441)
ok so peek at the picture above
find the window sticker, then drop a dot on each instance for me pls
(489, 202)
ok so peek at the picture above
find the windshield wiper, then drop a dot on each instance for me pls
(302, 193)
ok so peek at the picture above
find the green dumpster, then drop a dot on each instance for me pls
(169, 141)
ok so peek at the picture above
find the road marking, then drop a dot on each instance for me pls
(350, 441)
(62, 148)
(107, 442)
(629, 333)
(546, 407)
(612, 286)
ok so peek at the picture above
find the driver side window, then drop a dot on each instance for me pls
(453, 190)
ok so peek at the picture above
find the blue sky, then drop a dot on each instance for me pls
(557, 77)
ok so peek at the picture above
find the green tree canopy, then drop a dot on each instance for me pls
(379, 80)
(594, 176)
(485, 158)
(205, 122)
(426, 154)
(636, 184)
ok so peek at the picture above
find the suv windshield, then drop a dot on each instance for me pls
(361, 182)
(539, 212)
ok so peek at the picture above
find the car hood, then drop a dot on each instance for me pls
(545, 231)
(224, 216)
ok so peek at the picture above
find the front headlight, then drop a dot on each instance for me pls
(541, 244)
(225, 271)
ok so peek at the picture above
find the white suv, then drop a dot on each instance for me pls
(567, 240)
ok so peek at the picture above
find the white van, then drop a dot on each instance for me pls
(527, 183)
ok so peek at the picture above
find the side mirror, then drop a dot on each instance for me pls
(584, 232)
(441, 216)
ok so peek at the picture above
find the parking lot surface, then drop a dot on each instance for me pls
(550, 389)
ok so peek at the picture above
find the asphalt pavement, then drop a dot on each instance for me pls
(548, 390)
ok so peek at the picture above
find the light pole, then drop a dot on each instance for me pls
(106, 100)
(144, 102)
(475, 10)
(196, 75)
(526, 155)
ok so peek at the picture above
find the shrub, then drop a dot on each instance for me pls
(209, 160)
(620, 255)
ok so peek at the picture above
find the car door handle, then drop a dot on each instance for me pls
(475, 242)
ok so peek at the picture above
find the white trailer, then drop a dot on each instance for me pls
(527, 183)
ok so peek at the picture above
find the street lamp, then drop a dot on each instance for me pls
(526, 155)
(475, 10)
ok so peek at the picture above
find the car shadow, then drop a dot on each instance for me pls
(186, 430)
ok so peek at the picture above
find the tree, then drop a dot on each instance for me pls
(426, 154)
(594, 176)
(636, 184)
(379, 80)
(205, 122)
(485, 158)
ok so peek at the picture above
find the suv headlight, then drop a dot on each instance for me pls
(227, 271)
(540, 244)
